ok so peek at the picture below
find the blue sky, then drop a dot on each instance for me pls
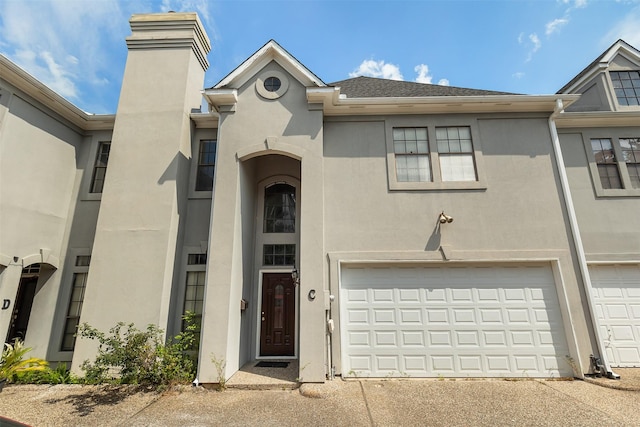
(534, 47)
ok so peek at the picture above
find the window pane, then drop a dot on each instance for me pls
(278, 254)
(413, 168)
(206, 165)
(100, 167)
(457, 167)
(609, 176)
(279, 209)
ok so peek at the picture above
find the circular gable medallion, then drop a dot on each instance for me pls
(272, 84)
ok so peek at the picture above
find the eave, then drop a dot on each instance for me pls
(334, 104)
(592, 119)
(32, 87)
(205, 120)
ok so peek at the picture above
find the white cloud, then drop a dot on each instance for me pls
(575, 4)
(443, 82)
(380, 69)
(536, 42)
(423, 74)
(555, 25)
(625, 29)
(533, 45)
(518, 75)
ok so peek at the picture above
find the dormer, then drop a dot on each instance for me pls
(610, 83)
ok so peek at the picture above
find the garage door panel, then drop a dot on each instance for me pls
(431, 321)
(616, 292)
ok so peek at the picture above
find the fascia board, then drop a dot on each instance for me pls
(269, 52)
(591, 119)
(491, 103)
(31, 86)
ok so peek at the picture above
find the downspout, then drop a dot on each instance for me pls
(577, 239)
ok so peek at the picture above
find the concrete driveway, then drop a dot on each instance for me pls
(353, 403)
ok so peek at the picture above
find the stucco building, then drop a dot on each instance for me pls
(432, 231)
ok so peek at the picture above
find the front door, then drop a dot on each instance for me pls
(22, 309)
(278, 315)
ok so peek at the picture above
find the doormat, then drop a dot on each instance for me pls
(267, 364)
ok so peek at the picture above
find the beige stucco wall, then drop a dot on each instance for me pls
(609, 226)
(145, 195)
(518, 217)
(39, 180)
(286, 126)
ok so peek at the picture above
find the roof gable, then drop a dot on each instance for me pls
(271, 51)
(619, 48)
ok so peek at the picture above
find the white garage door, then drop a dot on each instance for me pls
(617, 298)
(452, 322)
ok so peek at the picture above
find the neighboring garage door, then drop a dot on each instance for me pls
(437, 321)
(617, 297)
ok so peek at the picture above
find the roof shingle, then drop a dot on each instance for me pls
(370, 87)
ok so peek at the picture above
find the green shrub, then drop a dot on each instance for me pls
(60, 375)
(12, 361)
(127, 355)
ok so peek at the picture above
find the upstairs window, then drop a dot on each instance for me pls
(455, 150)
(100, 167)
(606, 161)
(627, 86)
(411, 148)
(631, 156)
(206, 165)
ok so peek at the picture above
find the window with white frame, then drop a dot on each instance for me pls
(81, 270)
(617, 162)
(206, 165)
(627, 86)
(100, 167)
(194, 289)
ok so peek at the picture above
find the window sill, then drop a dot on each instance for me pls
(201, 195)
(91, 197)
(617, 192)
(437, 186)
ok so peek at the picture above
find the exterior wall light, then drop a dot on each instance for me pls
(444, 218)
(295, 276)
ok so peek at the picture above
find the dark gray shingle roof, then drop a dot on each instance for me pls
(369, 87)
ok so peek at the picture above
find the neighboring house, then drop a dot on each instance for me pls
(366, 227)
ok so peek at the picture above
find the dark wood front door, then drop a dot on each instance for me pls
(278, 315)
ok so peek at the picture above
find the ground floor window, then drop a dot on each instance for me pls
(81, 270)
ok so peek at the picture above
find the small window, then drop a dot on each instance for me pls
(206, 165)
(627, 86)
(100, 167)
(279, 209)
(279, 254)
(455, 150)
(75, 303)
(606, 161)
(272, 84)
(411, 148)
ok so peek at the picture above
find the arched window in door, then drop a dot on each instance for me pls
(279, 209)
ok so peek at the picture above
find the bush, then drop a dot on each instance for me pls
(60, 375)
(12, 361)
(127, 355)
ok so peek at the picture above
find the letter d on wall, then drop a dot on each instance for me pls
(5, 304)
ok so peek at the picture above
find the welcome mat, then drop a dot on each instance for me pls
(268, 364)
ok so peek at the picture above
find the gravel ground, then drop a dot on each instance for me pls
(353, 403)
